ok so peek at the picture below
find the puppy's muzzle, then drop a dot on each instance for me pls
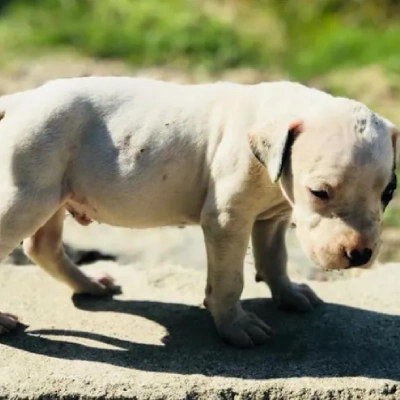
(358, 257)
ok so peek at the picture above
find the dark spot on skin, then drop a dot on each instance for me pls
(127, 141)
(361, 125)
(375, 120)
(265, 144)
(142, 150)
(167, 124)
(164, 177)
(318, 158)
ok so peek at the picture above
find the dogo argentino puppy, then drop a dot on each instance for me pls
(236, 159)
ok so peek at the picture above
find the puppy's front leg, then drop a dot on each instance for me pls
(270, 256)
(226, 238)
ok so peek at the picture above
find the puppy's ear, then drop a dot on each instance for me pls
(271, 145)
(394, 132)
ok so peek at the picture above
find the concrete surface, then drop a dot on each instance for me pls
(155, 342)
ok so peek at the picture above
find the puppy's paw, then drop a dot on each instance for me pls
(103, 285)
(295, 297)
(8, 322)
(245, 331)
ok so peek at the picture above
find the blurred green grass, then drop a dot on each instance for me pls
(301, 38)
(348, 47)
(142, 32)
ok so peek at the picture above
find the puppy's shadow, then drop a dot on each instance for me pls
(333, 341)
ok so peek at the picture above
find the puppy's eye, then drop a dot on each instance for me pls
(320, 194)
(387, 196)
(388, 193)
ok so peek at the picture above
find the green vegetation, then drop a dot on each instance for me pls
(299, 37)
(141, 32)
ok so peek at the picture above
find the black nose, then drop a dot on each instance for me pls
(357, 257)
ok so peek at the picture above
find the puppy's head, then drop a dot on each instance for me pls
(336, 166)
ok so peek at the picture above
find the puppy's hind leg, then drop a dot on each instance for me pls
(46, 249)
(22, 212)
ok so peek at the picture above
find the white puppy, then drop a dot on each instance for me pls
(236, 159)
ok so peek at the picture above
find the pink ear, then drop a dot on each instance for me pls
(280, 151)
(394, 133)
(296, 127)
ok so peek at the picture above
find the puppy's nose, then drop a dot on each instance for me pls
(359, 257)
